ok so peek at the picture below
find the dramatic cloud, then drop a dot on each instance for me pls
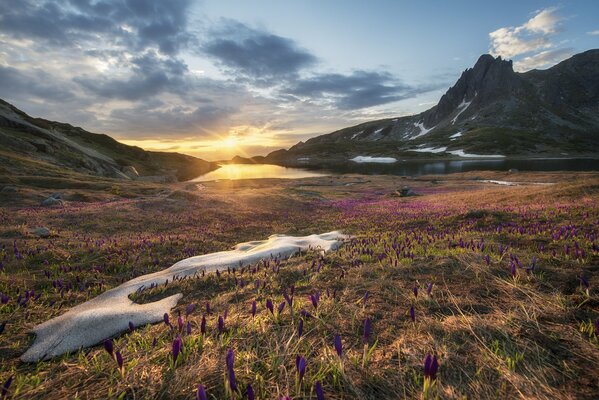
(543, 59)
(531, 36)
(136, 24)
(257, 55)
(530, 44)
(355, 91)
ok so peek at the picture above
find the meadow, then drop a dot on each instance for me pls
(469, 289)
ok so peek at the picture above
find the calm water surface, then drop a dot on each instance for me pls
(408, 168)
(256, 171)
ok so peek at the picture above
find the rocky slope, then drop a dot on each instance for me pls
(491, 110)
(39, 147)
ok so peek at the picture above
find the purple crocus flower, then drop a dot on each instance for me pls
(189, 309)
(365, 298)
(5, 387)
(314, 299)
(230, 361)
(177, 345)
(431, 365)
(203, 325)
(367, 330)
(166, 320)
(319, 391)
(250, 392)
(429, 289)
(119, 360)
(154, 342)
(300, 328)
(415, 290)
(131, 326)
(2, 326)
(412, 314)
(288, 299)
(270, 306)
(109, 347)
(300, 364)
(280, 308)
(208, 308)
(338, 345)
(201, 393)
(188, 328)
(488, 259)
(253, 308)
(221, 324)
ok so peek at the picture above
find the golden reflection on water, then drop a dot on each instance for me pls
(255, 171)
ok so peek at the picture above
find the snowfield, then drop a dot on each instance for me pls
(461, 153)
(369, 159)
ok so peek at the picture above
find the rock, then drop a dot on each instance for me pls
(9, 189)
(40, 231)
(130, 171)
(406, 192)
(56, 195)
(513, 170)
(51, 201)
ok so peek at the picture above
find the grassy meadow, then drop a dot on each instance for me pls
(497, 284)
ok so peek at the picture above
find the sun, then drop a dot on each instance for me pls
(230, 141)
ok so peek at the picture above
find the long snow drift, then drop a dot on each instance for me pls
(369, 159)
(110, 313)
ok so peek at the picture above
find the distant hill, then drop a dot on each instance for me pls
(38, 146)
(491, 110)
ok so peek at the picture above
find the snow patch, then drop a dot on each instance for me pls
(356, 134)
(423, 130)
(462, 107)
(369, 159)
(109, 313)
(456, 135)
(461, 153)
(430, 150)
(303, 159)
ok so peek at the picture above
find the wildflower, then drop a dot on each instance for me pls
(177, 345)
(431, 365)
(189, 309)
(221, 325)
(280, 308)
(253, 308)
(119, 360)
(288, 299)
(5, 388)
(109, 347)
(250, 392)
(188, 327)
(203, 325)
(367, 330)
(338, 345)
(166, 320)
(365, 298)
(412, 314)
(319, 391)
(314, 298)
(415, 290)
(270, 306)
(230, 361)
(429, 289)
(301, 367)
(154, 342)
(300, 328)
(131, 326)
(180, 323)
(201, 393)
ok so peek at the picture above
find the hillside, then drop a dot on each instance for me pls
(36, 146)
(491, 110)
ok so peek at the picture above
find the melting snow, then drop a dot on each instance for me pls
(430, 150)
(462, 154)
(109, 313)
(456, 135)
(356, 134)
(369, 159)
(462, 107)
(423, 130)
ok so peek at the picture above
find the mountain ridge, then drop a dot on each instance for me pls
(490, 110)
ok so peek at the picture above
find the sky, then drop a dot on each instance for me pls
(217, 78)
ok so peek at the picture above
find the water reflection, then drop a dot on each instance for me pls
(256, 171)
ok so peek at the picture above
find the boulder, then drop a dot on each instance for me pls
(51, 201)
(40, 231)
(9, 189)
(406, 192)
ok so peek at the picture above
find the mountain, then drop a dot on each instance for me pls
(37, 146)
(491, 110)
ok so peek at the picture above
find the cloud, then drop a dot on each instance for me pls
(135, 24)
(147, 75)
(543, 59)
(534, 35)
(360, 89)
(259, 56)
(594, 33)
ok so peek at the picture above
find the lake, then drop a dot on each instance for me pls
(407, 168)
(256, 171)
